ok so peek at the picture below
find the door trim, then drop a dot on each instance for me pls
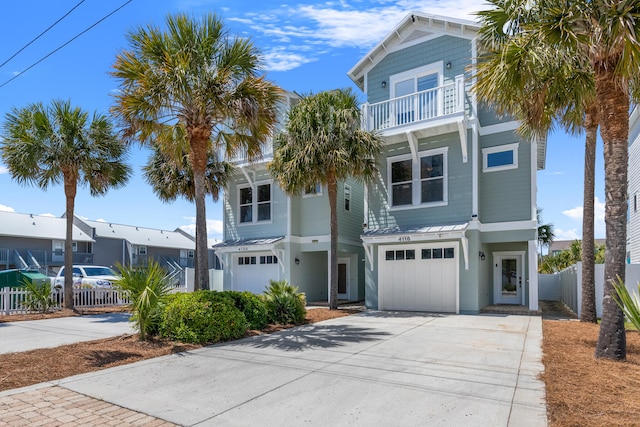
(497, 277)
(347, 262)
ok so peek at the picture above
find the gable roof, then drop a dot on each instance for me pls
(38, 227)
(141, 236)
(415, 25)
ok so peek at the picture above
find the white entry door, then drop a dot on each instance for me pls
(508, 277)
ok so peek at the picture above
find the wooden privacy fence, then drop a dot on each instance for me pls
(12, 299)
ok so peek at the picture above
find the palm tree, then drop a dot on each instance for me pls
(323, 143)
(59, 143)
(193, 82)
(171, 177)
(604, 35)
(520, 75)
(545, 232)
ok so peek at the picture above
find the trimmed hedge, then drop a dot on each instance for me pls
(202, 317)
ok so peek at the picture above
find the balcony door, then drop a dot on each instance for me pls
(416, 95)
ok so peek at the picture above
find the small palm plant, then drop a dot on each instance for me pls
(284, 303)
(628, 302)
(147, 288)
(38, 297)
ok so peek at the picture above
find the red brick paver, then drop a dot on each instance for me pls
(57, 406)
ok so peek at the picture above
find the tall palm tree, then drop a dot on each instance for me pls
(604, 34)
(323, 143)
(194, 82)
(59, 143)
(519, 74)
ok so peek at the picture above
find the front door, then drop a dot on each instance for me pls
(508, 277)
(343, 280)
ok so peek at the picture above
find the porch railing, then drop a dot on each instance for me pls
(416, 107)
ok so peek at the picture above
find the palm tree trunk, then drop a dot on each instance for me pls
(70, 189)
(332, 188)
(588, 312)
(199, 162)
(613, 115)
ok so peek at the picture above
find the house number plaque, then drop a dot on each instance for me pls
(404, 239)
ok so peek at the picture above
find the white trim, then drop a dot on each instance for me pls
(498, 128)
(347, 262)
(534, 180)
(416, 181)
(464, 242)
(500, 149)
(503, 226)
(410, 238)
(318, 186)
(462, 130)
(474, 172)
(533, 275)
(414, 74)
(345, 197)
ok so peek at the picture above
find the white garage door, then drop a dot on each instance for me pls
(253, 271)
(418, 277)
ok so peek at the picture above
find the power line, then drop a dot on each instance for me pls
(42, 33)
(64, 44)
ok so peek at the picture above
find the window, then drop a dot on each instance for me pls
(74, 246)
(246, 260)
(400, 255)
(313, 190)
(438, 253)
(254, 206)
(500, 158)
(347, 198)
(142, 250)
(424, 183)
(415, 93)
(268, 259)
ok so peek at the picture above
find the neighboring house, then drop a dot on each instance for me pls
(135, 246)
(37, 242)
(558, 246)
(270, 235)
(633, 227)
(451, 220)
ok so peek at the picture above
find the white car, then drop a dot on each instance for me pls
(88, 276)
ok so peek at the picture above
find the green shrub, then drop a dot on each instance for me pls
(202, 317)
(251, 306)
(148, 288)
(284, 303)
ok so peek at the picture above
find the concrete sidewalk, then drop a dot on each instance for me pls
(32, 334)
(375, 368)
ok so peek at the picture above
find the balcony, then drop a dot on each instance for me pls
(432, 111)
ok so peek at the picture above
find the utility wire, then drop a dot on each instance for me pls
(41, 34)
(64, 44)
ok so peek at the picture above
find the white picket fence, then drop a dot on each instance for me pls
(12, 299)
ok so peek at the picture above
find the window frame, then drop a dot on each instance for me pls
(346, 205)
(416, 179)
(415, 73)
(514, 147)
(255, 204)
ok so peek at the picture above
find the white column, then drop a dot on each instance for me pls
(533, 275)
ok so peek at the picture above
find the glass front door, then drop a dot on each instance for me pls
(508, 278)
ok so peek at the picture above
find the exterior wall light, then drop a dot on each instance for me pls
(297, 261)
(384, 84)
(481, 255)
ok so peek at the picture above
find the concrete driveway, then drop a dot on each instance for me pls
(371, 369)
(46, 333)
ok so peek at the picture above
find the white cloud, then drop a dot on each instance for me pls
(101, 220)
(576, 215)
(3, 169)
(4, 208)
(49, 215)
(566, 235)
(214, 228)
(279, 60)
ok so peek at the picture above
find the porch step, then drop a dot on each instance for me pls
(519, 310)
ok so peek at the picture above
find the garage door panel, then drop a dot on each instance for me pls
(253, 272)
(418, 284)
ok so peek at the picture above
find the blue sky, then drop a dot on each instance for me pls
(308, 46)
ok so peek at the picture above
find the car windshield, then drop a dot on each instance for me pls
(99, 271)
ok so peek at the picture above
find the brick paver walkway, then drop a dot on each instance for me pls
(57, 406)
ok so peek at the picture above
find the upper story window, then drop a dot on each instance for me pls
(347, 198)
(424, 183)
(313, 190)
(255, 206)
(502, 157)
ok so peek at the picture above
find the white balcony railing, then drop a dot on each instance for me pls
(416, 107)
